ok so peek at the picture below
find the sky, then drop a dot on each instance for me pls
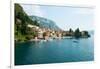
(65, 17)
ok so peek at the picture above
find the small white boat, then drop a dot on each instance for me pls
(43, 40)
(50, 39)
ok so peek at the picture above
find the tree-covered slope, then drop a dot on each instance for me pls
(21, 31)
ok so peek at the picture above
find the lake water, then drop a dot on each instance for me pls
(56, 51)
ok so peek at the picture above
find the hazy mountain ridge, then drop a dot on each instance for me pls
(45, 23)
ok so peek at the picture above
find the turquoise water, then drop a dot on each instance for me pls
(56, 51)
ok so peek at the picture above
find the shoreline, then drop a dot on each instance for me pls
(51, 39)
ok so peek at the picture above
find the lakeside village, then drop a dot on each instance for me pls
(38, 34)
(26, 29)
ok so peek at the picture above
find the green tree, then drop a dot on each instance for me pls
(77, 33)
(70, 30)
(36, 23)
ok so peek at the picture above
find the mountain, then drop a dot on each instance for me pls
(45, 23)
(21, 15)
